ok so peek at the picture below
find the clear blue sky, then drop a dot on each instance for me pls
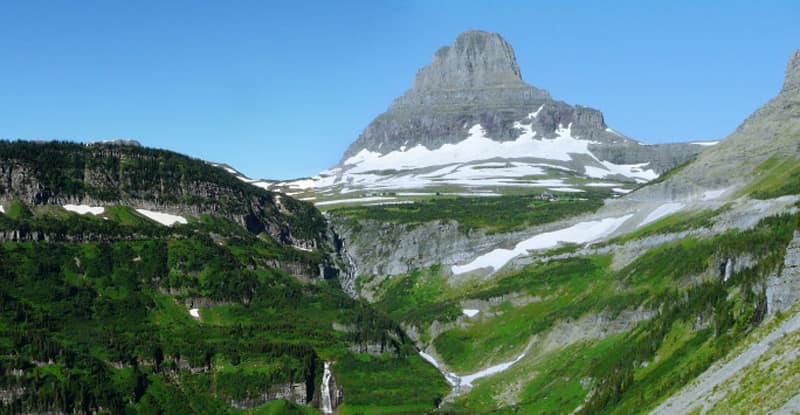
(279, 89)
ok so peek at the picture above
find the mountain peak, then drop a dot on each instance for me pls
(476, 60)
(792, 78)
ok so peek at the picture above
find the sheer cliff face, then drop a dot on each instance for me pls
(476, 60)
(477, 80)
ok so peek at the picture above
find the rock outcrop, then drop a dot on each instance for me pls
(791, 80)
(292, 392)
(783, 289)
(378, 248)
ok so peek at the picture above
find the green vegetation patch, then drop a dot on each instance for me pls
(775, 177)
(379, 385)
(495, 214)
(105, 323)
(558, 290)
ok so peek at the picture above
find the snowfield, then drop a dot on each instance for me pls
(477, 146)
(162, 218)
(459, 162)
(634, 171)
(579, 233)
(472, 162)
(84, 209)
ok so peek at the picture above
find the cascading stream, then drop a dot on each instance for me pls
(326, 406)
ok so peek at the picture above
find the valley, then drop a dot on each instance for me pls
(480, 248)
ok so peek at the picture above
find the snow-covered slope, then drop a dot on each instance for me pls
(474, 163)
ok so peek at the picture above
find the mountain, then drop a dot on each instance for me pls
(682, 296)
(470, 121)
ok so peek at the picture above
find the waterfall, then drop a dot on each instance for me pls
(326, 406)
(728, 270)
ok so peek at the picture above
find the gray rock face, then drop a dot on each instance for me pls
(292, 392)
(783, 290)
(477, 81)
(476, 60)
(791, 80)
(378, 248)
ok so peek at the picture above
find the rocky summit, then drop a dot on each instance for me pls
(477, 81)
(470, 110)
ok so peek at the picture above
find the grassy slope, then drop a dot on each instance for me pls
(777, 176)
(494, 214)
(92, 306)
(629, 372)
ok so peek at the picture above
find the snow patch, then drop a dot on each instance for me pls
(466, 381)
(354, 200)
(194, 312)
(705, 143)
(634, 171)
(227, 169)
(162, 218)
(84, 209)
(303, 184)
(579, 233)
(461, 382)
(535, 113)
(470, 312)
(565, 189)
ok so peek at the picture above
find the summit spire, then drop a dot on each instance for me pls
(476, 60)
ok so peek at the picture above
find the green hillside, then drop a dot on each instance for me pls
(95, 317)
